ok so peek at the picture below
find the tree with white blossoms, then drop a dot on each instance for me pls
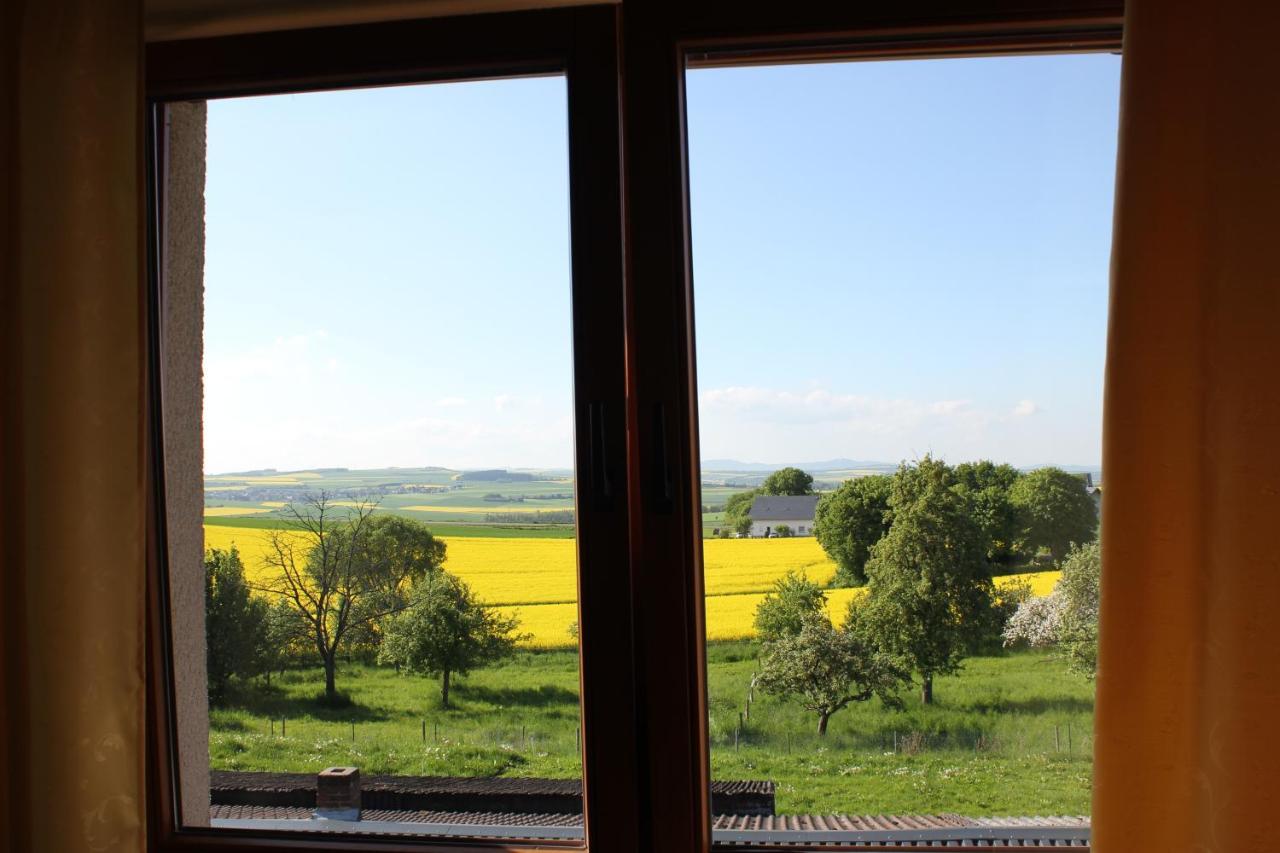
(1068, 617)
(1035, 622)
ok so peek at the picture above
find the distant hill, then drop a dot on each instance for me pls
(824, 465)
(497, 475)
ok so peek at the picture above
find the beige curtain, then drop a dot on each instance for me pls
(1189, 682)
(71, 478)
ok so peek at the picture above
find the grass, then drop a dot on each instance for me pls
(516, 719)
(995, 742)
(987, 746)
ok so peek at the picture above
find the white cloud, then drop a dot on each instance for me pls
(514, 402)
(287, 357)
(853, 411)
(761, 424)
(948, 407)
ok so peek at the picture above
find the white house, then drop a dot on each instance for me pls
(795, 511)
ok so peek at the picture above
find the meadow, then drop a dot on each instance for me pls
(1008, 735)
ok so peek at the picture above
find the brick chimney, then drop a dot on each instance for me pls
(338, 794)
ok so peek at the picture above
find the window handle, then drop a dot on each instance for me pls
(598, 447)
(661, 493)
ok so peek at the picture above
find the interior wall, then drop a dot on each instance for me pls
(184, 443)
(170, 20)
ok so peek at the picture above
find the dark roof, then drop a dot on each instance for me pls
(784, 507)
(400, 816)
(253, 780)
(882, 831)
(452, 794)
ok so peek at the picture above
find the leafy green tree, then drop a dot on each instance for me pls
(783, 531)
(1081, 589)
(235, 622)
(1054, 510)
(397, 551)
(737, 511)
(343, 572)
(826, 669)
(988, 485)
(849, 521)
(781, 613)
(287, 638)
(447, 632)
(787, 481)
(929, 583)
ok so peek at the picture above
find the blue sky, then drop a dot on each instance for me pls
(890, 258)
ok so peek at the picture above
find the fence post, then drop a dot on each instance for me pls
(735, 740)
(577, 738)
(895, 740)
(424, 731)
(1057, 739)
(353, 731)
(1068, 738)
(282, 726)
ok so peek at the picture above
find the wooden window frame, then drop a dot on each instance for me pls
(658, 43)
(646, 758)
(578, 43)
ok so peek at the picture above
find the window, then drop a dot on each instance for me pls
(949, 220)
(663, 761)
(375, 279)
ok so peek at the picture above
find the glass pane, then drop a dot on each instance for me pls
(900, 273)
(388, 493)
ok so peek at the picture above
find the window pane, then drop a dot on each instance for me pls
(900, 274)
(388, 522)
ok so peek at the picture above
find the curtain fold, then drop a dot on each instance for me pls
(1189, 675)
(71, 443)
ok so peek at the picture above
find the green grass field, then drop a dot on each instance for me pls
(995, 742)
(1008, 735)
(514, 531)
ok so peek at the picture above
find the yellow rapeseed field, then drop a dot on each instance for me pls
(1042, 583)
(515, 571)
(536, 578)
(751, 565)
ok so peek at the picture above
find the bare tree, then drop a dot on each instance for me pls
(333, 565)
